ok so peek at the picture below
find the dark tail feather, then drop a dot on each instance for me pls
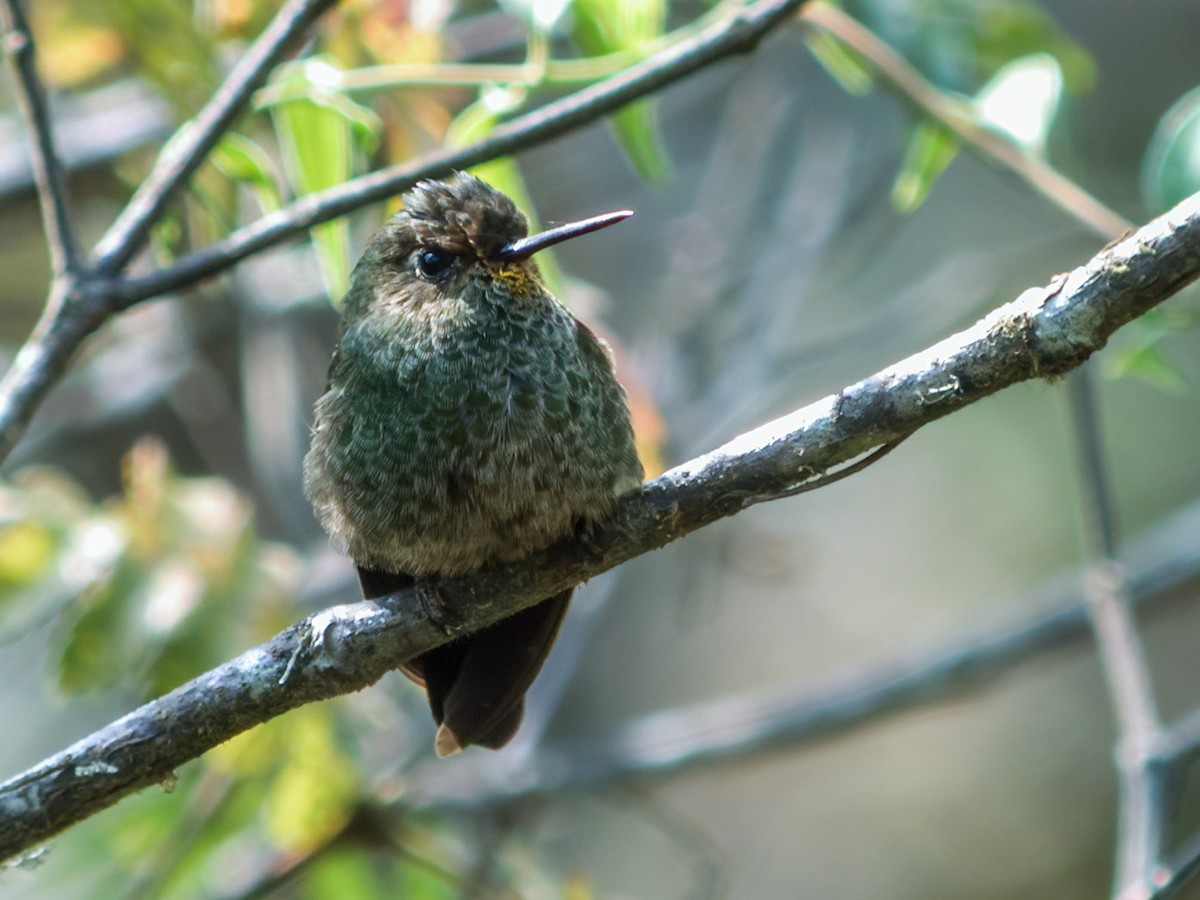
(477, 684)
(486, 695)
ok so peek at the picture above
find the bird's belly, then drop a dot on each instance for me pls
(464, 490)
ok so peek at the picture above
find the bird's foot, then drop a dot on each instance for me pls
(434, 605)
(591, 538)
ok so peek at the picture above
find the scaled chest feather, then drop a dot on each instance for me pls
(475, 438)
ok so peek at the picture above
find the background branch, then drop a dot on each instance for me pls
(79, 304)
(1044, 332)
(189, 147)
(1144, 815)
(47, 167)
(72, 312)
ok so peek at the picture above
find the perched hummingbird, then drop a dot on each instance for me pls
(470, 419)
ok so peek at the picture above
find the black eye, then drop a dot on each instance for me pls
(434, 264)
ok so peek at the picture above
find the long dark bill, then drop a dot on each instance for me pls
(527, 246)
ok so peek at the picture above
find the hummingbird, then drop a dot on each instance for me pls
(470, 419)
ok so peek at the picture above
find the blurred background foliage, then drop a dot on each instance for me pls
(792, 238)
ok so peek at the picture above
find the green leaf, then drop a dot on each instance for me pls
(26, 550)
(1022, 99)
(1171, 165)
(101, 644)
(423, 881)
(960, 44)
(241, 159)
(637, 131)
(541, 14)
(167, 237)
(171, 51)
(315, 785)
(46, 537)
(475, 123)
(347, 873)
(1137, 350)
(609, 26)
(1147, 363)
(212, 214)
(478, 119)
(931, 149)
(844, 65)
(321, 134)
(604, 26)
(1005, 30)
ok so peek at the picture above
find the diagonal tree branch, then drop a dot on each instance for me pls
(47, 167)
(189, 147)
(1043, 333)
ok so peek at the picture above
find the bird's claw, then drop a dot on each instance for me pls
(591, 538)
(435, 608)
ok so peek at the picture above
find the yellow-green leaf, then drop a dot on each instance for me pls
(637, 131)
(1171, 166)
(315, 788)
(321, 134)
(26, 549)
(239, 158)
(609, 26)
(1022, 99)
(931, 149)
(348, 873)
(844, 65)
(1147, 363)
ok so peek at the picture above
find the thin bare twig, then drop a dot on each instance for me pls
(825, 480)
(911, 88)
(1133, 695)
(190, 146)
(1144, 801)
(47, 167)
(1044, 332)
(1125, 663)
